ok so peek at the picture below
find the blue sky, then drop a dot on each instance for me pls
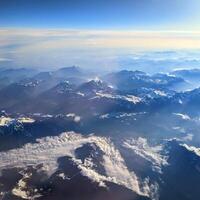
(96, 33)
(101, 14)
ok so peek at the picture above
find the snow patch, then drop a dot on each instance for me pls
(5, 121)
(76, 118)
(129, 98)
(183, 116)
(160, 93)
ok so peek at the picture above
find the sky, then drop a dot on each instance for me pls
(101, 14)
(95, 33)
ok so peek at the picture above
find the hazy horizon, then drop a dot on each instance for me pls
(101, 49)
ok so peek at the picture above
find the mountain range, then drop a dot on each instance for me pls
(125, 135)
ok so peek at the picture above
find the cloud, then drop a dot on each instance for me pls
(60, 38)
(115, 166)
(152, 154)
(48, 149)
(101, 48)
(186, 138)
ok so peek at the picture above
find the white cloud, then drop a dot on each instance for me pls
(141, 147)
(47, 150)
(86, 48)
(188, 137)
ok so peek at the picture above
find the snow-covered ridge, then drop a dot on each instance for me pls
(6, 121)
(130, 98)
(182, 116)
(192, 149)
(160, 93)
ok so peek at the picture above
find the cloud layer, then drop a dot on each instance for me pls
(52, 48)
(47, 150)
